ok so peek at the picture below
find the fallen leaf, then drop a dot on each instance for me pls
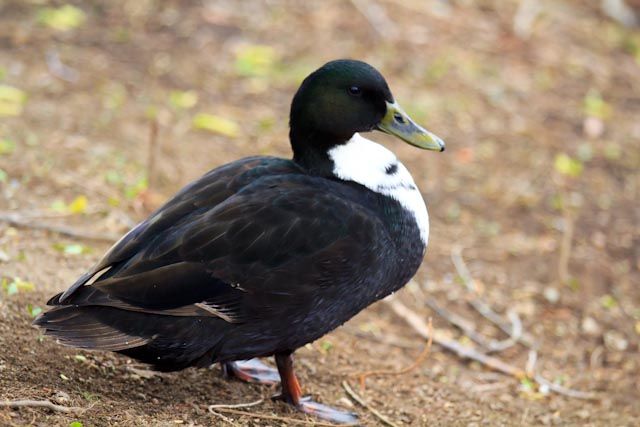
(567, 165)
(255, 60)
(216, 124)
(183, 100)
(78, 205)
(7, 146)
(12, 101)
(33, 310)
(62, 18)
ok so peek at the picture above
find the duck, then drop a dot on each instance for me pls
(264, 255)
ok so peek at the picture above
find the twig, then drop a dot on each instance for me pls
(222, 417)
(388, 340)
(58, 69)
(39, 404)
(484, 309)
(153, 153)
(362, 376)
(565, 248)
(532, 359)
(525, 17)
(422, 329)
(378, 18)
(352, 394)
(464, 325)
(277, 418)
(17, 221)
(237, 405)
(564, 390)
(33, 214)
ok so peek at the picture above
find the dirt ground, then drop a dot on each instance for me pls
(539, 185)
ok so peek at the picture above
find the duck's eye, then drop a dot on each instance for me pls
(355, 90)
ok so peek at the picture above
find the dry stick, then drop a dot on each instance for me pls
(222, 417)
(464, 325)
(31, 215)
(17, 221)
(565, 248)
(39, 404)
(277, 418)
(362, 376)
(377, 17)
(236, 405)
(153, 153)
(352, 394)
(484, 309)
(420, 327)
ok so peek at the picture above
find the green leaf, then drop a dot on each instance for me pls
(7, 146)
(3, 175)
(527, 384)
(326, 346)
(75, 424)
(132, 191)
(33, 311)
(567, 165)
(113, 177)
(17, 285)
(71, 248)
(58, 206)
(595, 106)
(183, 100)
(255, 60)
(12, 101)
(608, 301)
(612, 151)
(63, 18)
(11, 288)
(216, 124)
(78, 205)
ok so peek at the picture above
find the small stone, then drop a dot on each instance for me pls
(583, 414)
(551, 294)
(61, 397)
(593, 127)
(614, 340)
(590, 326)
(345, 402)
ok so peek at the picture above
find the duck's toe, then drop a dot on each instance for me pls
(327, 413)
(252, 371)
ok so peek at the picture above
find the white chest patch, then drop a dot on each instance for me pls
(372, 165)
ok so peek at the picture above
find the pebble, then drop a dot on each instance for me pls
(61, 397)
(590, 326)
(345, 402)
(615, 340)
(551, 294)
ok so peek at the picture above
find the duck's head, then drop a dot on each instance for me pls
(344, 97)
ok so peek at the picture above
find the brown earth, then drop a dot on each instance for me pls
(539, 184)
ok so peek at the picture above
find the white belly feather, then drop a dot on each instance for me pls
(372, 165)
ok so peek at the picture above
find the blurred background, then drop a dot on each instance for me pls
(109, 107)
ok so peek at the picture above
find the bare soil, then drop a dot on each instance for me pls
(539, 184)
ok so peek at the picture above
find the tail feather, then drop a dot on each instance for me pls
(166, 342)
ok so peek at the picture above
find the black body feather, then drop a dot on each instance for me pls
(254, 258)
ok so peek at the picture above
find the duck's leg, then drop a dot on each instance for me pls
(251, 371)
(292, 394)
